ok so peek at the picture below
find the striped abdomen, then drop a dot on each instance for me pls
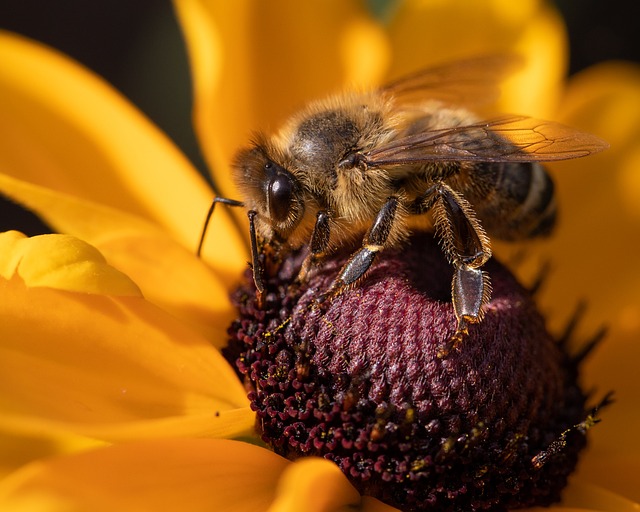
(513, 200)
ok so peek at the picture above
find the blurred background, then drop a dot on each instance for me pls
(137, 46)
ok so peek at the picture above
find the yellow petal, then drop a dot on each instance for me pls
(254, 63)
(168, 274)
(62, 262)
(110, 368)
(596, 238)
(475, 27)
(538, 88)
(100, 225)
(424, 33)
(176, 280)
(314, 485)
(168, 475)
(74, 133)
(593, 257)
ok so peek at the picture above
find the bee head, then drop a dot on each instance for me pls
(269, 189)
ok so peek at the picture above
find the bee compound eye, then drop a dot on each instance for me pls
(280, 196)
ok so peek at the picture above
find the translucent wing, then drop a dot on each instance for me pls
(505, 139)
(466, 82)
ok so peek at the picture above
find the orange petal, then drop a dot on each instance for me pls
(239, 85)
(531, 29)
(370, 504)
(590, 497)
(110, 368)
(314, 485)
(18, 450)
(62, 262)
(612, 471)
(102, 226)
(79, 136)
(167, 475)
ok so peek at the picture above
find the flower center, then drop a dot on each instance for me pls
(357, 379)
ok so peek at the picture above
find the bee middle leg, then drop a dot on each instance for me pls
(374, 241)
(466, 246)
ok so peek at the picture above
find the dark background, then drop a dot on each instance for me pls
(136, 45)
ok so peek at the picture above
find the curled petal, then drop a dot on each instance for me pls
(112, 368)
(167, 475)
(62, 262)
(148, 247)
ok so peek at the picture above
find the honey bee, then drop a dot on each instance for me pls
(373, 166)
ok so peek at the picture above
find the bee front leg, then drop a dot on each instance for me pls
(318, 245)
(257, 261)
(374, 241)
(467, 247)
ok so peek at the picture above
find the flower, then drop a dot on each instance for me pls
(360, 378)
(136, 365)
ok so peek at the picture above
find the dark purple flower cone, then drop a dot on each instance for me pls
(357, 379)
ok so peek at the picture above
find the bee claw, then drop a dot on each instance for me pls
(462, 331)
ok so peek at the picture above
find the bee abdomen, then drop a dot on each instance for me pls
(515, 200)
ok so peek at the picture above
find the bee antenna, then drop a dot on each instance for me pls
(223, 200)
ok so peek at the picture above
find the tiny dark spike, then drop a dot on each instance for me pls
(588, 347)
(540, 278)
(572, 324)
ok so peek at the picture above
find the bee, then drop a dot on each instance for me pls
(370, 167)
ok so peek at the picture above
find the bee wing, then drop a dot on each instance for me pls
(466, 82)
(505, 139)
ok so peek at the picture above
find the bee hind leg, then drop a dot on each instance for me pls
(467, 247)
(470, 290)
